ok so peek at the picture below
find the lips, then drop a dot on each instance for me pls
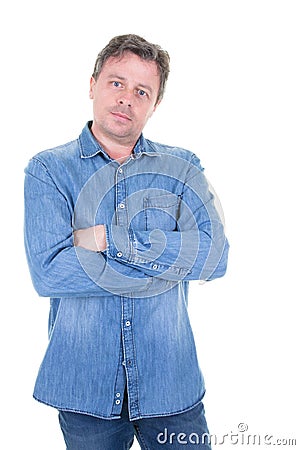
(121, 115)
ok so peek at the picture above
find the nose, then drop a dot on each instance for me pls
(125, 99)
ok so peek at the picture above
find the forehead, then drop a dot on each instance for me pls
(131, 67)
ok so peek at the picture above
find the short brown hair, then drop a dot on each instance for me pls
(139, 46)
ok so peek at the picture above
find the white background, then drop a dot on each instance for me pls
(233, 98)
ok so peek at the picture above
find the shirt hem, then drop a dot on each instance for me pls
(75, 410)
(131, 419)
(167, 414)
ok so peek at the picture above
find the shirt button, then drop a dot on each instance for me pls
(155, 266)
(127, 323)
(119, 254)
(118, 394)
(120, 170)
(121, 205)
(118, 402)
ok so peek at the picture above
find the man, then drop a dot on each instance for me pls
(115, 227)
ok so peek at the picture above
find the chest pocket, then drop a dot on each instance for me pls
(162, 211)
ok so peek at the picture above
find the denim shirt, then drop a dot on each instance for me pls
(118, 318)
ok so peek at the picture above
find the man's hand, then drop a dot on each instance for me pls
(92, 238)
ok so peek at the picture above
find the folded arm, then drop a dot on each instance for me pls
(57, 267)
(196, 250)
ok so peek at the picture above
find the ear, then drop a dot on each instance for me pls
(92, 87)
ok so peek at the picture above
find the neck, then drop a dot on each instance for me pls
(115, 149)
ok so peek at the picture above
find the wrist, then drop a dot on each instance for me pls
(100, 237)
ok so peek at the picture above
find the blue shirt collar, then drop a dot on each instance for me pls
(89, 146)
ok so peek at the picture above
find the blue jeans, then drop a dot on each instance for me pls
(187, 430)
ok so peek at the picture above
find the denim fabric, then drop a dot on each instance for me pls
(83, 432)
(119, 317)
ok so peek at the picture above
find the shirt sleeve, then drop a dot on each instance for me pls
(57, 268)
(196, 250)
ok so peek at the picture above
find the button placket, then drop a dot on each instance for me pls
(119, 386)
(121, 213)
(129, 356)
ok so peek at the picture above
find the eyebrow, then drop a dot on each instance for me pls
(141, 85)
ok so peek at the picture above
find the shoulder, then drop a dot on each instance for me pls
(61, 153)
(56, 160)
(173, 151)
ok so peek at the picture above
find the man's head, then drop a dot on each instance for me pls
(119, 45)
(127, 84)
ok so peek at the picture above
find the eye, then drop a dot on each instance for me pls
(142, 93)
(116, 83)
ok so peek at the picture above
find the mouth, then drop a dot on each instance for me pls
(121, 116)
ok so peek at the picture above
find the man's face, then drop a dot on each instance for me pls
(124, 98)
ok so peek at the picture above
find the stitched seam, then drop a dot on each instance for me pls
(140, 437)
